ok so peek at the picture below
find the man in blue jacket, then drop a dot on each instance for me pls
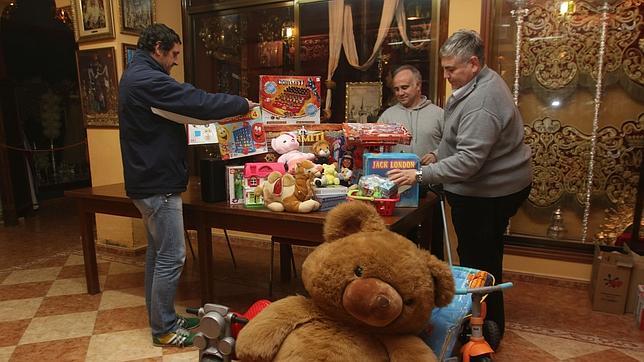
(154, 149)
(485, 166)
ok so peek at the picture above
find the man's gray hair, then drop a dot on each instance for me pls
(414, 71)
(464, 44)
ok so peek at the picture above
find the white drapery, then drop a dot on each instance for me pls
(341, 35)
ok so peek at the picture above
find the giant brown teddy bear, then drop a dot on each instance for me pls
(372, 292)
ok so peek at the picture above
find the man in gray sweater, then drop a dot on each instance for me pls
(425, 122)
(414, 111)
(482, 160)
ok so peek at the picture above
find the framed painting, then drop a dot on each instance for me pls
(128, 53)
(92, 20)
(136, 15)
(98, 86)
(363, 101)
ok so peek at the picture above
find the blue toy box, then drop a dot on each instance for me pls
(380, 163)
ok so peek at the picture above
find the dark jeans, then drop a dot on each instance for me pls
(480, 223)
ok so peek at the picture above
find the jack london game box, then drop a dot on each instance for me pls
(380, 163)
(290, 99)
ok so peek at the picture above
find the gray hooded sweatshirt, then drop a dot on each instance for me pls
(424, 121)
(482, 153)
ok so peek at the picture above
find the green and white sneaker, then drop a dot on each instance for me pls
(187, 322)
(179, 338)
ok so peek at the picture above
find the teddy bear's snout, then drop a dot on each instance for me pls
(372, 301)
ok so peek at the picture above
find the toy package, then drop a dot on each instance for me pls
(254, 174)
(202, 134)
(241, 136)
(326, 141)
(235, 185)
(290, 99)
(380, 163)
(376, 134)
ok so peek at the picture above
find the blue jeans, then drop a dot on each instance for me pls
(165, 255)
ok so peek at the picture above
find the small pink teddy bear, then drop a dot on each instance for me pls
(288, 147)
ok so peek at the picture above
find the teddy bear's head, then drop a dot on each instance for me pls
(367, 276)
(285, 143)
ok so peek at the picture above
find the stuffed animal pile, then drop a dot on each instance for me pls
(371, 293)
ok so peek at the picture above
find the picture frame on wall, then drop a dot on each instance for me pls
(128, 54)
(363, 101)
(98, 86)
(136, 15)
(92, 20)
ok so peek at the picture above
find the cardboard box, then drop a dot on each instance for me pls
(235, 185)
(380, 163)
(611, 274)
(242, 135)
(637, 278)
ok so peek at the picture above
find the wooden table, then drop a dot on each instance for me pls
(202, 216)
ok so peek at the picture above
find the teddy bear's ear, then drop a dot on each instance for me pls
(352, 217)
(443, 280)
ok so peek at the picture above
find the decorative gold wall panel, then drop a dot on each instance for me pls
(560, 160)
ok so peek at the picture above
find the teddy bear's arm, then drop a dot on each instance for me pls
(407, 348)
(262, 337)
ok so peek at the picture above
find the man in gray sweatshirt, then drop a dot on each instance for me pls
(425, 122)
(414, 111)
(482, 160)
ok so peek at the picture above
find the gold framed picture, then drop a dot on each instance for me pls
(136, 15)
(128, 54)
(92, 20)
(363, 101)
(98, 86)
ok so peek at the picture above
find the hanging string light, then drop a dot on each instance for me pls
(598, 94)
(519, 14)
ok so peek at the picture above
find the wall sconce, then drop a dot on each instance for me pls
(288, 31)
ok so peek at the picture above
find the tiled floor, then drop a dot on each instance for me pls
(45, 313)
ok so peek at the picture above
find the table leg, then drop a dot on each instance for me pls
(206, 274)
(87, 220)
(286, 254)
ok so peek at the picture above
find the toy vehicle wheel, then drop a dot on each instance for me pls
(481, 358)
(492, 334)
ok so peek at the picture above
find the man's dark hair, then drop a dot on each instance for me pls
(158, 33)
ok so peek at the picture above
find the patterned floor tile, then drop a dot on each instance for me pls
(611, 355)
(78, 271)
(120, 268)
(73, 349)
(121, 319)
(64, 304)
(5, 353)
(638, 354)
(25, 290)
(75, 259)
(72, 286)
(181, 356)
(12, 310)
(122, 346)
(561, 348)
(124, 281)
(122, 298)
(31, 275)
(42, 329)
(12, 331)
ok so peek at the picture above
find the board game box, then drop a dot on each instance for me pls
(290, 99)
(380, 163)
(242, 135)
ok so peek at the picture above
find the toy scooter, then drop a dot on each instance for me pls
(218, 329)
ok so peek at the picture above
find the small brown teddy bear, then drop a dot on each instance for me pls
(372, 292)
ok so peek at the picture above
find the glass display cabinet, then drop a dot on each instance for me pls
(576, 71)
(230, 43)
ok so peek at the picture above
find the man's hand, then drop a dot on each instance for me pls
(251, 104)
(402, 177)
(428, 158)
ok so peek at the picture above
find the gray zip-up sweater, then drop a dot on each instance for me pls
(482, 152)
(424, 121)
